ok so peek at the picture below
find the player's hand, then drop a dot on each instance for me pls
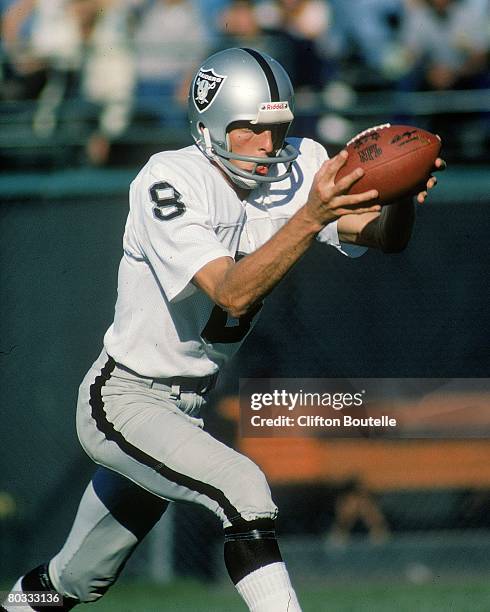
(439, 166)
(327, 200)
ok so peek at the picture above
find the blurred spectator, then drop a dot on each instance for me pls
(23, 73)
(241, 26)
(108, 72)
(447, 44)
(364, 35)
(47, 33)
(355, 505)
(169, 39)
(210, 13)
(308, 19)
(81, 47)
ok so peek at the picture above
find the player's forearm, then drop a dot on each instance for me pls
(392, 228)
(253, 277)
(238, 287)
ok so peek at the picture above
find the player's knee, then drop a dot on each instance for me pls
(250, 545)
(253, 497)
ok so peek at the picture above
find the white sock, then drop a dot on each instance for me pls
(16, 607)
(269, 589)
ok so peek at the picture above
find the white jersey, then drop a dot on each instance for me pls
(184, 214)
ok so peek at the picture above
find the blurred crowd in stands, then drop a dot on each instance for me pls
(131, 60)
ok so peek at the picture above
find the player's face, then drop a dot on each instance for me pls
(256, 141)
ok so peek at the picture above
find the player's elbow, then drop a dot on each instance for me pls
(237, 312)
(234, 305)
(237, 309)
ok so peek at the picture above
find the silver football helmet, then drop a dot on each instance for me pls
(241, 85)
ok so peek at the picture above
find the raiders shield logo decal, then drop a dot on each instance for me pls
(206, 87)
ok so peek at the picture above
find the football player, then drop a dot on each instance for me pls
(186, 301)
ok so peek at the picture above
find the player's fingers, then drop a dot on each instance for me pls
(329, 169)
(421, 197)
(356, 200)
(357, 210)
(439, 165)
(345, 183)
(432, 182)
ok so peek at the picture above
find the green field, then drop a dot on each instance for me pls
(184, 596)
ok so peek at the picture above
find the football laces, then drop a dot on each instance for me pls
(375, 128)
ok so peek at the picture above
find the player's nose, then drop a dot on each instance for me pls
(266, 141)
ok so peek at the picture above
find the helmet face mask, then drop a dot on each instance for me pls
(238, 87)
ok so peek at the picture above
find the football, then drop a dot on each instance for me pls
(397, 160)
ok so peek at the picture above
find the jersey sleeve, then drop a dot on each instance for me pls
(329, 235)
(171, 229)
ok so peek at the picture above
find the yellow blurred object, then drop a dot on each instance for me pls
(8, 507)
